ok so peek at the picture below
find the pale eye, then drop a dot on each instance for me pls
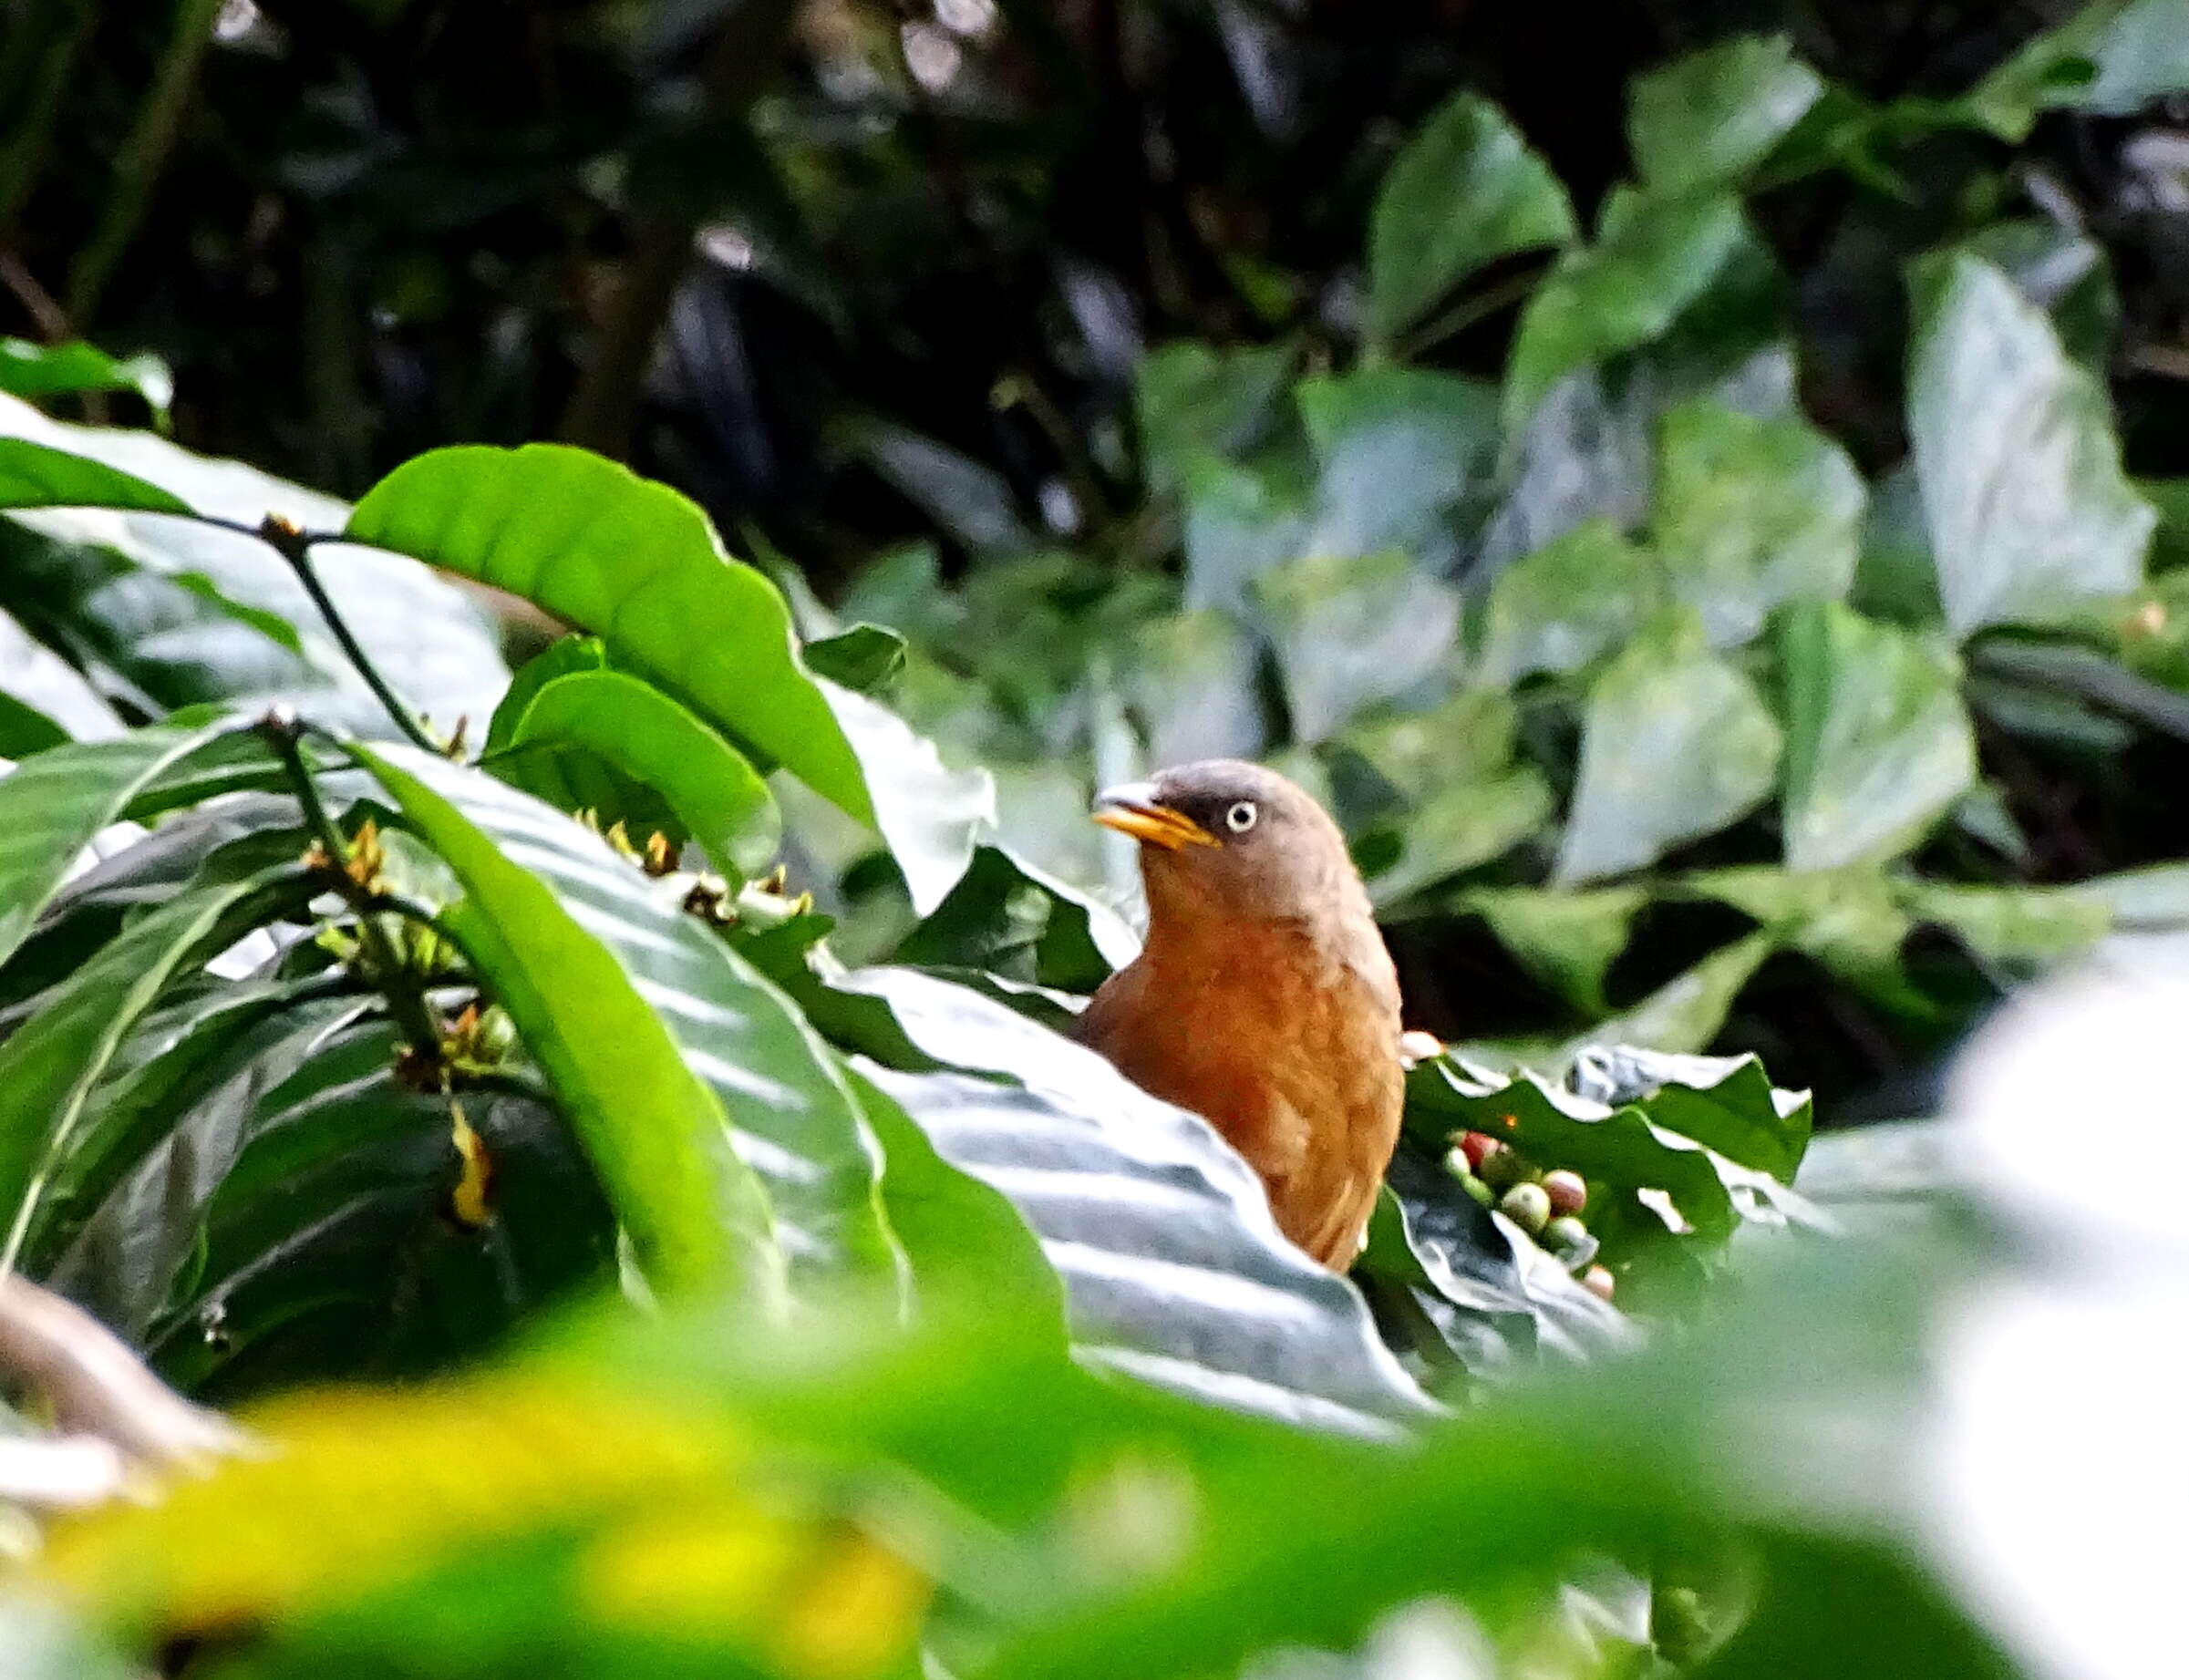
(1241, 817)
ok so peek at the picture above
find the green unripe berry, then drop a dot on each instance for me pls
(1502, 1168)
(1565, 1231)
(1478, 1192)
(1527, 1206)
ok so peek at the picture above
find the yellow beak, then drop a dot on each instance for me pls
(1134, 810)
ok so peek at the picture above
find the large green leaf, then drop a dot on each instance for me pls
(74, 368)
(1652, 260)
(641, 567)
(1558, 608)
(1712, 116)
(1750, 513)
(1678, 744)
(714, 791)
(1465, 191)
(214, 598)
(1570, 940)
(1878, 744)
(1242, 520)
(311, 1205)
(692, 1080)
(1174, 1271)
(50, 1067)
(37, 475)
(657, 1135)
(2029, 512)
(54, 806)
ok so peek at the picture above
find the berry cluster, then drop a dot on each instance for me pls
(1546, 1205)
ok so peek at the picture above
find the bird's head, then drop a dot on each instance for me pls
(1227, 838)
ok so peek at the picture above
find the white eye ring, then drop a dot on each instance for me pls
(1241, 817)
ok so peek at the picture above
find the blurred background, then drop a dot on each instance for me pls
(1711, 631)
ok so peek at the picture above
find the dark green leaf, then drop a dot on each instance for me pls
(36, 475)
(606, 943)
(1751, 513)
(1684, 1013)
(1008, 918)
(1878, 745)
(1710, 118)
(1678, 744)
(863, 658)
(47, 698)
(1174, 1268)
(1652, 260)
(658, 1136)
(53, 807)
(2020, 471)
(50, 1065)
(1465, 191)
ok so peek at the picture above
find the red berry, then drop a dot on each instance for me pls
(1599, 1282)
(1478, 1144)
(1569, 1191)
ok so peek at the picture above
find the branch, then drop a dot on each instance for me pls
(117, 1415)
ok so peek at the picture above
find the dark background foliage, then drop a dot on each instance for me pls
(855, 275)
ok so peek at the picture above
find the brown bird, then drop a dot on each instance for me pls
(1265, 999)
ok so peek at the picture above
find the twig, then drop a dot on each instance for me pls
(143, 155)
(389, 975)
(294, 546)
(1466, 313)
(98, 1387)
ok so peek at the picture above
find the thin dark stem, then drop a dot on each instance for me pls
(390, 976)
(1465, 313)
(294, 546)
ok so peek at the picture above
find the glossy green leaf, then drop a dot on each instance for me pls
(791, 1121)
(1878, 744)
(1351, 631)
(1558, 608)
(1752, 514)
(961, 1238)
(2030, 513)
(60, 703)
(1172, 1267)
(714, 791)
(1714, 115)
(658, 1136)
(54, 806)
(640, 566)
(1465, 191)
(50, 1065)
(1677, 743)
(1651, 261)
(37, 475)
(314, 1210)
(563, 657)
(634, 563)
(32, 371)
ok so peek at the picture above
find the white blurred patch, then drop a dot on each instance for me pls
(2062, 1464)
